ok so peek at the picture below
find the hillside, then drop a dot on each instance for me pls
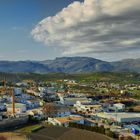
(70, 65)
(131, 65)
(22, 66)
(77, 65)
(116, 77)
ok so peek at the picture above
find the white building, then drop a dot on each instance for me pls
(32, 103)
(42, 89)
(71, 101)
(121, 117)
(87, 108)
(26, 96)
(36, 113)
(19, 108)
(117, 107)
(17, 91)
(2, 106)
(22, 84)
(51, 90)
(64, 121)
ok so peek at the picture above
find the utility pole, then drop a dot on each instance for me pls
(13, 100)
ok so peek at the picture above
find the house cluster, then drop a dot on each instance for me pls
(24, 98)
(69, 99)
(59, 105)
(87, 109)
(64, 121)
(22, 102)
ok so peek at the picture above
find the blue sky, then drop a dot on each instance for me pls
(107, 30)
(18, 18)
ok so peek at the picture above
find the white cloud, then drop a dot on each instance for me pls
(116, 7)
(130, 41)
(92, 26)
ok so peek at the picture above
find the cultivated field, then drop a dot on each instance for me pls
(61, 133)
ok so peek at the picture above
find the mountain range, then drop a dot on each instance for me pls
(70, 65)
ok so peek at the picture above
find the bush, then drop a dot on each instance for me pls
(95, 128)
(37, 128)
(102, 130)
(110, 134)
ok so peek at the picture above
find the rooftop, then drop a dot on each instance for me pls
(120, 115)
(17, 105)
(76, 99)
(94, 106)
(68, 119)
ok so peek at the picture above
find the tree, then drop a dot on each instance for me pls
(49, 110)
(102, 129)
(110, 133)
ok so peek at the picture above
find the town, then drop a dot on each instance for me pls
(70, 70)
(112, 107)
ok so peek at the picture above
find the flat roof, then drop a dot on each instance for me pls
(120, 115)
(68, 119)
(76, 99)
(94, 106)
(17, 105)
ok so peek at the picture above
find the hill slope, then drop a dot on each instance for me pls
(131, 65)
(77, 65)
(22, 66)
(70, 65)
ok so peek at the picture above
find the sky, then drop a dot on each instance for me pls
(45, 29)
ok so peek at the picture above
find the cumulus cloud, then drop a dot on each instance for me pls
(92, 26)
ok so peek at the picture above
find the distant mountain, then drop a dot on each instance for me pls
(131, 65)
(70, 65)
(77, 65)
(22, 66)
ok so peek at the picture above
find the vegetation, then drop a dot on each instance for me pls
(115, 77)
(49, 109)
(65, 133)
(37, 128)
(96, 128)
(31, 128)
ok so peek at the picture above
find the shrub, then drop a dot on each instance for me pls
(95, 128)
(110, 134)
(37, 128)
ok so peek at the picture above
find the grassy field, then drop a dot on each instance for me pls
(30, 128)
(135, 91)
